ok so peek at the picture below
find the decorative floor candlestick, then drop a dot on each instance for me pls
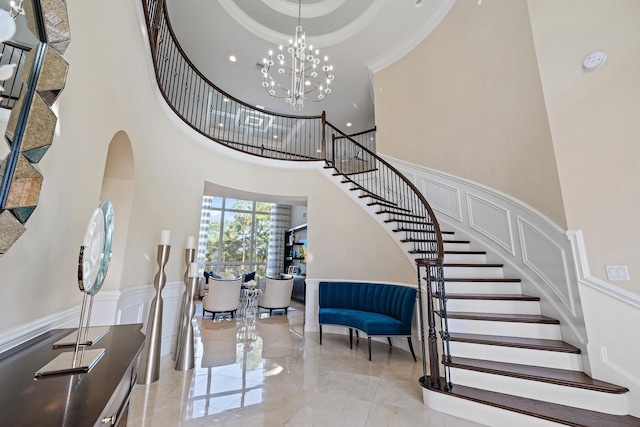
(186, 357)
(189, 257)
(151, 360)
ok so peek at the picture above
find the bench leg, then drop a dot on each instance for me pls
(369, 342)
(411, 348)
(320, 334)
(389, 339)
(351, 338)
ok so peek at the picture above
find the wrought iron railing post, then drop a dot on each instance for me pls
(432, 338)
(155, 26)
(333, 149)
(444, 325)
(421, 322)
(324, 141)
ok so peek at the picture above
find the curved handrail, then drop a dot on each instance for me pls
(382, 181)
(231, 122)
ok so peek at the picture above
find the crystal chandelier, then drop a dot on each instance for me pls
(307, 79)
(16, 9)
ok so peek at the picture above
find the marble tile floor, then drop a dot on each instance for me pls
(265, 371)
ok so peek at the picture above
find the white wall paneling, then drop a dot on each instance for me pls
(491, 220)
(543, 256)
(538, 252)
(442, 198)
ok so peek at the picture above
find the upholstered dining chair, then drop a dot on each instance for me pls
(222, 297)
(276, 295)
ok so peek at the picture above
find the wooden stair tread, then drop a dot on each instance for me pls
(465, 252)
(483, 265)
(407, 221)
(518, 342)
(561, 377)
(493, 297)
(385, 204)
(402, 214)
(544, 410)
(503, 317)
(456, 279)
(413, 239)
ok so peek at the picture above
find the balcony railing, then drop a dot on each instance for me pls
(12, 53)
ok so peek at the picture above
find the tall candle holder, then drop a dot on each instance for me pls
(186, 357)
(151, 359)
(189, 257)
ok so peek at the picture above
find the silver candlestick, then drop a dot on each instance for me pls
(185, 359)
(189, 257)
(151, 369)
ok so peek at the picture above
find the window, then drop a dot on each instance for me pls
(234, 235)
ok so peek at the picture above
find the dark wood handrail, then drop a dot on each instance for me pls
(440, 250)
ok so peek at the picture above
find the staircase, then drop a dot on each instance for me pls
(504, 353)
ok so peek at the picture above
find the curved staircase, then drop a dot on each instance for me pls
(503, 352)
(499, 351)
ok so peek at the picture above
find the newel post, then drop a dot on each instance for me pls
(432, 380)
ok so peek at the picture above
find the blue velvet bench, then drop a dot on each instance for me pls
(375, 309)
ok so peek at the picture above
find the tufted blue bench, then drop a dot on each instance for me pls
(375, 309)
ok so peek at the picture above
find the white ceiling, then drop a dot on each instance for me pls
(359, 36)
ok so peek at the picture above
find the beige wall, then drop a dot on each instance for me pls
(108, 97)
(468, 101)
(594, 120)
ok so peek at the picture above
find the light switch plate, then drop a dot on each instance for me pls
(617, 272)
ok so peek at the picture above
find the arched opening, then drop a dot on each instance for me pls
(118, 184)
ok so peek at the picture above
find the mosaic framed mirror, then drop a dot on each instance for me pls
(39, 79)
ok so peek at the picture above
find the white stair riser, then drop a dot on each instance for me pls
(562, 395)
(481, 413)
(523, 356)
(465, 258)
(474, 272)
(509, 329)
(511, 288)
(492, 306)
(455, 246)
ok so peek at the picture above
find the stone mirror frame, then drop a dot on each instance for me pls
(31, 124)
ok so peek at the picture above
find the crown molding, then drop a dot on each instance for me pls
(313, 10)
(401, 49)
(320, 41)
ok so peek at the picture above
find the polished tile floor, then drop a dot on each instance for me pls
(265, 371)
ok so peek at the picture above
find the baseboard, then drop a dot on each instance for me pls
(108, 309)
(65, 319)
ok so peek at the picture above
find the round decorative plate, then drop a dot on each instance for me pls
(95, 252)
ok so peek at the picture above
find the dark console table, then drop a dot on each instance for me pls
(96, 398)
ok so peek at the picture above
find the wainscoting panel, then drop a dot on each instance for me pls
(64, 319)
(530, 246)
(491, 220)
(104, 308)
(442, 198)
(130, 314)
(548, 260)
